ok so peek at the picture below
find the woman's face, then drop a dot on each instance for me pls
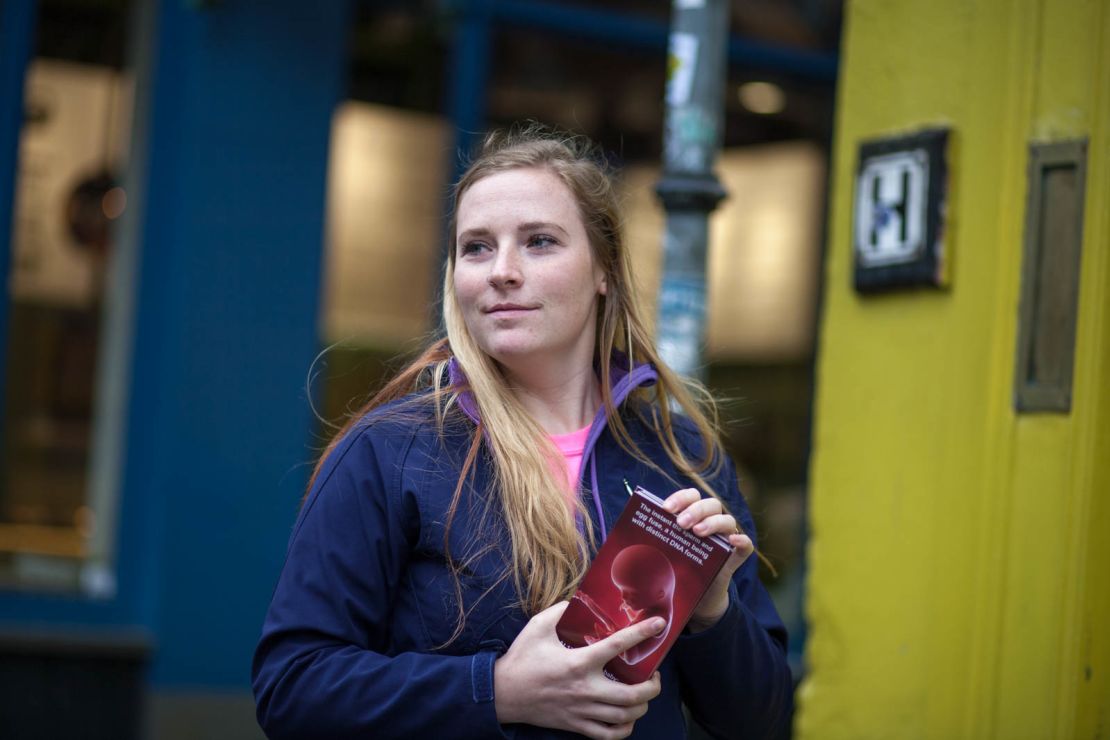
(524, 277)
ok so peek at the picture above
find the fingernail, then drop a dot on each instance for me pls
(658, 624)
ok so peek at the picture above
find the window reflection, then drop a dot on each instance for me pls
(68, 198)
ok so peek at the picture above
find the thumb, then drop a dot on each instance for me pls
(551, 614)
(605, 650)
(742, 549)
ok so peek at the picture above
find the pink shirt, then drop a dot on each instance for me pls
(571, 446)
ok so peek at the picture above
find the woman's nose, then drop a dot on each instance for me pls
(505, 269)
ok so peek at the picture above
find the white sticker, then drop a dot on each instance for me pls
(686, 4)
(682, 60)
(891, 193)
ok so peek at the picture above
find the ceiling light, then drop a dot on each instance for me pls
(762, 97)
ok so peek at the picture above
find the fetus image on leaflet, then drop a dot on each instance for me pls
(646, 581)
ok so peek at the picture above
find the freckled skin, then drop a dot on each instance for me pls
(646, 581)
(521, 242)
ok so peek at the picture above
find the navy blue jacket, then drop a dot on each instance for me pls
(356, 643)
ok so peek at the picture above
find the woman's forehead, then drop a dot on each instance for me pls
(518, 178)
(517, 190)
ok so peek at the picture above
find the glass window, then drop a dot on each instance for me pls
(68, 200)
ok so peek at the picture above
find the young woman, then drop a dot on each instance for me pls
(448, 523)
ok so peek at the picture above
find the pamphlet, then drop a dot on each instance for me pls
(648, 567)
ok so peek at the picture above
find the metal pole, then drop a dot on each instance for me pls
(689, 189)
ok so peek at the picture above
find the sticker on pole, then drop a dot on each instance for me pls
(682, 61)
(681, 325)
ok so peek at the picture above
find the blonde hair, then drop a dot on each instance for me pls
(548, 553)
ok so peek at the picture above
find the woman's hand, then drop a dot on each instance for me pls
(541, 682)
(705, 516)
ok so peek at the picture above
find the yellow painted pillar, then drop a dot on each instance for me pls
(959, 560)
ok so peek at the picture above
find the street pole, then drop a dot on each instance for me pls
(689, 189)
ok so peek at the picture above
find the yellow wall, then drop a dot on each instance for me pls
(959, 559)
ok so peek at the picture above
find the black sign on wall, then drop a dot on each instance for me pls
(900, 199)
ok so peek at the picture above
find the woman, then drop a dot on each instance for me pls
(448, 523)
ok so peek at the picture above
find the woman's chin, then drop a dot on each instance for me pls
(507, 350)
(528, 356)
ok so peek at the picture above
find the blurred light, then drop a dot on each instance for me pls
(386, 175)
(764, 250)
(762, 97)
(113, 203)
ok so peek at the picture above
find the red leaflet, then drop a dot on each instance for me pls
(648, 567)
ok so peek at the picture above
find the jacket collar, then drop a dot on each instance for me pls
(623, 380)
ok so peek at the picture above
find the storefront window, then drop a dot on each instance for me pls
(68, 200)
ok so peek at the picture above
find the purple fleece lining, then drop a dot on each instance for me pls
(623, 383)
(457, 379)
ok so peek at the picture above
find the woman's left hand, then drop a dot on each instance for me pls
(705, 516)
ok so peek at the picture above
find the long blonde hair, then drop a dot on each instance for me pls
(549, 554)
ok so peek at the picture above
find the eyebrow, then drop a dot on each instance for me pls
(541, 226)
(528, 226)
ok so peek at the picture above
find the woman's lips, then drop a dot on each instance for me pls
(508, 309)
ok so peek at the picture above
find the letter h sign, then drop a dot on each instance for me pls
(899, 209)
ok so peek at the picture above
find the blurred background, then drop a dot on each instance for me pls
(204, 195)
(221, 227)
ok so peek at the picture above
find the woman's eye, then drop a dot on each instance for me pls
(471, 248)
(540, 241)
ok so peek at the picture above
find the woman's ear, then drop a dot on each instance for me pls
(603, 288)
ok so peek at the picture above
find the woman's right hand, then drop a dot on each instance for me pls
(540, 682)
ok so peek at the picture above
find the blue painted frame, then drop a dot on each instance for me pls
(233, 116)
(478, 20)
(18, 21)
